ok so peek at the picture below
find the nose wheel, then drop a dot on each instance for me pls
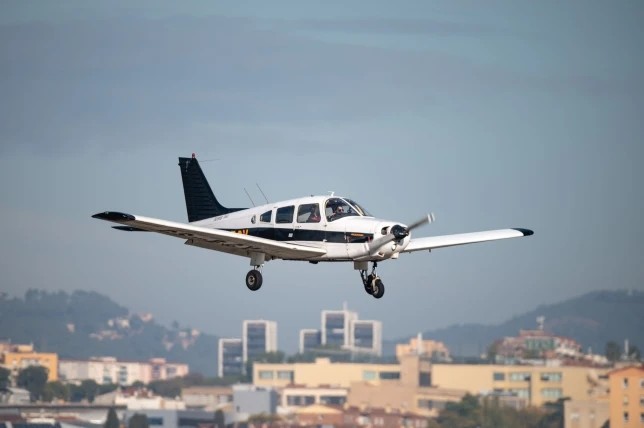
(254, 280)
(372, 283)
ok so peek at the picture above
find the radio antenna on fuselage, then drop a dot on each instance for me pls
(260, 189)
(251, 199)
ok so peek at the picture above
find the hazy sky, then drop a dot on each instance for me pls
(489, 114)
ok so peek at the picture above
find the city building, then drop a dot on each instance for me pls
(253, 400)
(137, 399)
(436, 351)
(366, 336)
(174, 418)
(297, 396)
(18, 357)
(106, 370)
(208, 398)
(536, 384)
(626, 397)
(586, 413)
(230, 361)
(258, 337)
(336, 328)
(310, 340)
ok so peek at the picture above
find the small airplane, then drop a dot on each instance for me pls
(316, 229)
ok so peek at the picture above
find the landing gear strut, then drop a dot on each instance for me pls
(254, 280)
(372, 283)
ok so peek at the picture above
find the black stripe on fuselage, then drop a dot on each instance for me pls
(283, 234)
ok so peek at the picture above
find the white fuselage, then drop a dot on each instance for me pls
(345, 238)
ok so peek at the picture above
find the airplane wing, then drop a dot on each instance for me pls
(429, 243)
(214, 239)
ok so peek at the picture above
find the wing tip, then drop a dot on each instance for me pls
(525, 232)
(114, 216)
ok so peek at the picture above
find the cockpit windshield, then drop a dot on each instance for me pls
(336, 208)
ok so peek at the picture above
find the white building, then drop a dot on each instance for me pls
(366, 336)
(230, 357)
(336, 328)
(310, 339)
(258, 337)
(105, 370)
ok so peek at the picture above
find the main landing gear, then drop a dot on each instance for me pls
(254, 280)
(372, 283)
(254, 277)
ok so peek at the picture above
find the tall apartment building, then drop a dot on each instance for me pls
(626, 397)
(230, 361)
(258, 337)
(310, 340)
(336, 328)
(366, 336)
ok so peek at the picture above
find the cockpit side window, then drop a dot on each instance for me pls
(285, 214)
(308, 213)
(266, 217)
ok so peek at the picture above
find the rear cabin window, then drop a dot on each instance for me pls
(285, 214)
(266, 217)
(308, 213)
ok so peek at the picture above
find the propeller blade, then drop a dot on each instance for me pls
(379, 242)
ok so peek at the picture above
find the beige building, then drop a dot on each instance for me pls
(586, 413)
(208, 398)
(627, 397)
(324, 372)
(437, 351)
(18, 357)
(536, 384)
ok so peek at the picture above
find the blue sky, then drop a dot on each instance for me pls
(491, 115)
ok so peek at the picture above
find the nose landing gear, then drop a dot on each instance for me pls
(372, 283)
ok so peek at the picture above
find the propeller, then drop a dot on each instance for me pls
(398, 232)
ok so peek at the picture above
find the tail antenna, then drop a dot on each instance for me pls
(251, 199)
(260, 189)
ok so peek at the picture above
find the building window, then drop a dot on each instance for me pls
(625, 383)
(519, 376)
(285, 374)
(551, 377)
(152, 420)
(389, 375)
(368, 375)
(266, 374)
(520, 392)
(498, 376)
(553, 393)
(625, 416)
(625, 400)
(642, 418)
(641, 400)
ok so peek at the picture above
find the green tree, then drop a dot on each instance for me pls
(89, 390)
(55, 390)
(33, 379)
(112, 421)
(5, 377)
(138, 420)
(612, 351)
(220, 420)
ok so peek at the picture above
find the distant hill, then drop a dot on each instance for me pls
(87, 324)
(592, 320)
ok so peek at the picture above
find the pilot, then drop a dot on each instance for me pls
(314, 217)
(337, 213)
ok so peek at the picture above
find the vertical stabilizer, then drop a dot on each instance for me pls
(200, 201)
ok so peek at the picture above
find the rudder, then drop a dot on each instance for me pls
(200, 201)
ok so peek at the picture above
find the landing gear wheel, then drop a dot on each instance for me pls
(367, 284)
(378, 288)
(254, 280)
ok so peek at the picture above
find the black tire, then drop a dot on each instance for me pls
(379, 289)
(254, 280)
(367, 285)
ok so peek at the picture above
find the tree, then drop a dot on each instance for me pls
(138, 420)
(55, 390)
(89, 389)
(33, 379)
(220, 420)
(5, 377)
(112, 421)
(612, 351)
